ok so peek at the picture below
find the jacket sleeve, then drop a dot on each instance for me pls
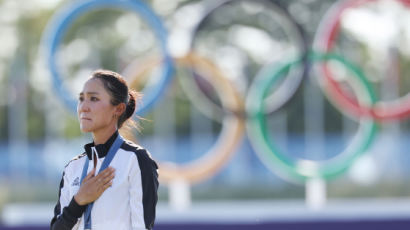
(143, 191)
(67, 211)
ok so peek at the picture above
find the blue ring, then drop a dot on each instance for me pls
(58, 27)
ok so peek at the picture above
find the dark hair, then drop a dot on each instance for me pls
(117, 87)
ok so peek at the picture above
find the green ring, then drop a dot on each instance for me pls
(269, 153)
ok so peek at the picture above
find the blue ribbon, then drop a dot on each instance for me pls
(110, 155)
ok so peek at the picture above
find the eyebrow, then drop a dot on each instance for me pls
(93, 93)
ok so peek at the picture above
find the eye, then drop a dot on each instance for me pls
(93, 98)
(81, 98)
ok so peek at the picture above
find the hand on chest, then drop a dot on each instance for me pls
(120, 182)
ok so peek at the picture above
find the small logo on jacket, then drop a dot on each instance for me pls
(76, 182)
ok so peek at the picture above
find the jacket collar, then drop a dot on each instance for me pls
(102, 149)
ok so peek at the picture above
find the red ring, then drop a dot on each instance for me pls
(381, 111)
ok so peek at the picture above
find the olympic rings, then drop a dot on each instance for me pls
(270, 154)
(232, 126)
(324, 42)
(258, 103)
(60, 23)
(290, 85)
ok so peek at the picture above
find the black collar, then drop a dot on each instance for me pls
(102, 149)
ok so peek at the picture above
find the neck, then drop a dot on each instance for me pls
(102, 136)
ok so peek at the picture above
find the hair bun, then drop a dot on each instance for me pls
(131, 105)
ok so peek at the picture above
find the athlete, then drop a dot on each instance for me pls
(113, 184)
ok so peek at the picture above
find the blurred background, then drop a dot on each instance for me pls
(194, 111)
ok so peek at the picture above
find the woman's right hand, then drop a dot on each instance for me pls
(93, 186)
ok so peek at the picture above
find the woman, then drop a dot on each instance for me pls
(113, 184)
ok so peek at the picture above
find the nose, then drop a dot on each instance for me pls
(82, 106)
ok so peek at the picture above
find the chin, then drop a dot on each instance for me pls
(85, 129)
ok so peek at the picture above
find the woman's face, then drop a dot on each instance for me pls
(94, 109)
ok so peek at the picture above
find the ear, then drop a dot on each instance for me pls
(120, 109)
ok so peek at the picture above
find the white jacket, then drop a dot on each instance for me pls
(128, 204)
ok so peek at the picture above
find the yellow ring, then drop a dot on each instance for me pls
(232, 126)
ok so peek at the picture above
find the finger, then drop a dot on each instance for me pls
(107, 185)
(106, 173)
(102, 187)
(108, 178)
(108, 169)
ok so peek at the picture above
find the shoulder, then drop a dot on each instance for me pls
(75, 160)
(136, 149)
(141, 153)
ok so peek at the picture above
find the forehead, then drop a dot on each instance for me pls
(94, 85)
